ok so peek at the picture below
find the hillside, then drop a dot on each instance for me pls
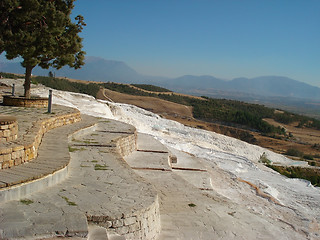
(242, 200)
(303, 138)
(282, 132)
(156, 105)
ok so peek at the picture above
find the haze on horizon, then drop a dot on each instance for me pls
(225, 39)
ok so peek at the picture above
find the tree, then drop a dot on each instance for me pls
(41, 33)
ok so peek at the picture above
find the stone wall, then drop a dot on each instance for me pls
(24, 102)
(27, 150)
(143, 224)
(8, 131)
(127, 145)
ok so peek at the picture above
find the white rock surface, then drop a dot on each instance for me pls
(236, 173)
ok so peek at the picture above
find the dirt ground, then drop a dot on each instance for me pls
(156, 105)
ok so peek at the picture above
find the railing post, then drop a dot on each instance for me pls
(13, 89)
(50, 102)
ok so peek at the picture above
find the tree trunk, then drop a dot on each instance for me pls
(27, 82)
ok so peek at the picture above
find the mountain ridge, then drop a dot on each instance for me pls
(100, 69)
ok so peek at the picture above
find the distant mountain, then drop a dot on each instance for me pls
(95, 69)
(274, 86)
(99, 69)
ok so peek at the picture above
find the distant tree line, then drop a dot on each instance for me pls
(303, 121)
(151, 88)
(66, 85)
(9, 75)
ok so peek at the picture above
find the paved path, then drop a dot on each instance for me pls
(100, 185)
(101, 188)
(191, 209)
(52, 157)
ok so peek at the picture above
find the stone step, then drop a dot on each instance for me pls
(101, 189)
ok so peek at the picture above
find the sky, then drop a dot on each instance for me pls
(225, 39)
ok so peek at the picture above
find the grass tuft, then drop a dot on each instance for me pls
(70, 203)
(191, 205)
(100, 167)
(26, 201)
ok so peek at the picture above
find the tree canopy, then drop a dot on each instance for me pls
(41, 33)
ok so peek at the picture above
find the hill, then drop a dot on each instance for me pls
(271, 86)
(253, 123)
(99, 69)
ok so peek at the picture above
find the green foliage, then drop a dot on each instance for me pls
(263, 159)
(124, 88)
(310, 174)
(316, 146)
(303, 121)
(294, 152)
(65, 85)
(100, 167)
(231, 111)
(284, 117)
(50, 74)
(308, 157)
(151, 88)
(41, 33)
(9, 75)
(70, 203)
(73, 149)
(26, 201)
(192, 205)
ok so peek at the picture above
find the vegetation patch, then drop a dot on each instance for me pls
(73, 149)
(191, 205)
(10, 75)
(100, 167)
(263, 159)
(26, 201)
(70, 203)
(294, 152)
(151, 88)
(308, 157)
(65, 85)
(310, 174)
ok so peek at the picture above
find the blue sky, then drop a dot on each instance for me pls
(225, 39)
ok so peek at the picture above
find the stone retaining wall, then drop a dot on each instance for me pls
(8, 132)
(143, 224)
(25, 102)
(127, 145)
(16, 154)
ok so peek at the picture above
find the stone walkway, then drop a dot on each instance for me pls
(102, 195)
(189, 207)
(99, 189)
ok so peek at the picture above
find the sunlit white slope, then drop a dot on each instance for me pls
(236, 157)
